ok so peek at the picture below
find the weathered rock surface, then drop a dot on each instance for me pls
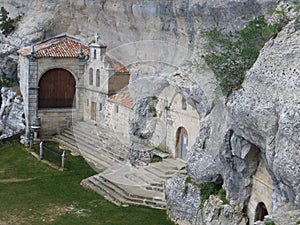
(266, 112)
(11, 114)
(215, 212)
(183, 200)
(123, 22)
(264, 116)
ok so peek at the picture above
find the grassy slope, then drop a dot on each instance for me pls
(55, 197)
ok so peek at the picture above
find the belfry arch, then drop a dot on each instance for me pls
(56, 89)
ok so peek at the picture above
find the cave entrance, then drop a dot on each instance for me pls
(260, 212)
(56, 89)
(181, 143)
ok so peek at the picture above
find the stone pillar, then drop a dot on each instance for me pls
(78, 115)
(32, 94)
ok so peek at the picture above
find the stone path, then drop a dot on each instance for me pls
(119, 181)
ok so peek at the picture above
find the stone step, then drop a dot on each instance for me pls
(107, 136)
(96, 154)
(113, 148)
(122, 194)
(66, 143)
(93, 149)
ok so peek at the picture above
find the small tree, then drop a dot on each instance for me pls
(6, 23)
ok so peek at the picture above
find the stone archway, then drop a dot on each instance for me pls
(181, 143)
(56, 89)
(260, 212)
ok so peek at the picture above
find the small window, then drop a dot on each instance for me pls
(95, 54)
(98, 78)
(100, 106)
(91, 76)
(183, 102)
(116, 108)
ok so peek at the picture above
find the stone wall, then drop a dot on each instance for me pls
(54, 121)
(170, 117)
(117, 118)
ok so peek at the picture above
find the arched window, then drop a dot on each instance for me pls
(95, 54)
(91, 76)
(183, 103)
(98, 78)
(56, 89)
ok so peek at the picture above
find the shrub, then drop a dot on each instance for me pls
(270, 223)
(207, 189)
(229, 55)
(7, 25)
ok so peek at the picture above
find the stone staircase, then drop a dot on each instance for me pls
(118, 181)
(99, 146)
(125, 185)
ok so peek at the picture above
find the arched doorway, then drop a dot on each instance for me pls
(260, 212)
(181, 143)
(56, 89)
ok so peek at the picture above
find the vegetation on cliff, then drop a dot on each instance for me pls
(7, 24)
(231, 54)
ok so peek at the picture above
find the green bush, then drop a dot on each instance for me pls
(270, 223)
(7, 25)
(222, 195)
(207, 189)
(229, 55)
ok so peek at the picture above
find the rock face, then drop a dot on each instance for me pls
(214, 212)
(258, 122)
(11, 114)
(123, 22)
(183, 200)
(266, 112)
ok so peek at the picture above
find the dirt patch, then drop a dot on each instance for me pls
(14, 180)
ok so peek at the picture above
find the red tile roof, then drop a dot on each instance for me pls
(65, 46)
(116, 66)
(58, 47)
(123, 98)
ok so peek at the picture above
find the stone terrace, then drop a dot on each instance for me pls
(118, 181)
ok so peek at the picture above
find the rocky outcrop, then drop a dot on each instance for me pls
(259, 120)
(266, 113)
(11, 114)
(183, 200)
(215, 212)
(122, 22)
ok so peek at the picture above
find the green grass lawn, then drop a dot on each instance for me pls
(34, 193)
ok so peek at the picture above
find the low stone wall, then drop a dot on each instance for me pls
(54, 121)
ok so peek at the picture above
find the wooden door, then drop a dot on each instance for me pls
(93, 110)
(56, 89)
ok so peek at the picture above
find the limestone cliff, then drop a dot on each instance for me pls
(11, 114)
(256, 129)
(255, 143)
(122, 22)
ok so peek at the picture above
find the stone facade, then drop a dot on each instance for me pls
(172, 114)
(96, 77)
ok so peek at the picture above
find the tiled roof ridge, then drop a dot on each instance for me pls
(123, 97)
(63, 36)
